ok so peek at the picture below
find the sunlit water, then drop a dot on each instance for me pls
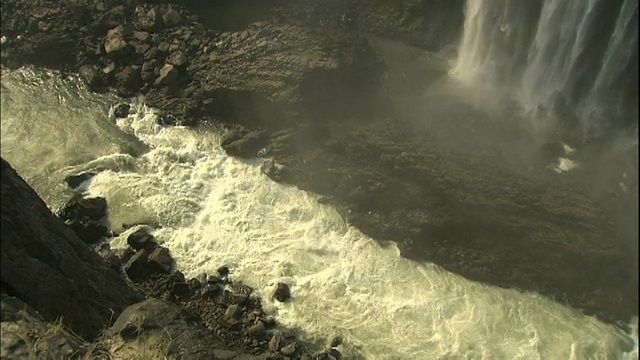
(210, 209)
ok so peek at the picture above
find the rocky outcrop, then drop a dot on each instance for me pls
(47, 266)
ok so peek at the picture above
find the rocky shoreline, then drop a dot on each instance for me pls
(305, 91)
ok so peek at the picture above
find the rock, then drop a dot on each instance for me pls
(172, 18)
(140, 239)
(160, 261)
(171, 329)
(272, 169)
(148, 20)
(223, 271)
(91, 77)
(232, 312)
(336, 341)
(282, 292)
(115, 43)
(168, 76)
(121, 110)
(289, 349)
(74, 181)
(90, 231)
(110, 258)
(177, 59)
(38, 248)
(334, 354)
(129, 80)
(136, 267)
(257, 331)
(274, 343)
(244, 144)
(78, 207)
(148, 70)
(181, 289)
(141, 36)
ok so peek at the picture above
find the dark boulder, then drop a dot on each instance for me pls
(140, 239)
(282, 292)
(79, 207)
(160, 261)
(90, 231)
(121, 110)
(44, 263)
(244, 143)
(136, 266)
(74, 181)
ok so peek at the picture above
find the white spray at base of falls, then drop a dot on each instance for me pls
(216, 210)
(583, 51)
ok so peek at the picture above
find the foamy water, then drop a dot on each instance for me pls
(211, 210)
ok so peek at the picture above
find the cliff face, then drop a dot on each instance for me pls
(44, 263)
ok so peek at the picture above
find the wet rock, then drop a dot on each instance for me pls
(257, 331)
(74, 181)
(141, 239)
(168, 76)
(243, 143)
(90, 231)
(91, 77)
(121, 110)
(336, 341)
(136, 267)
(282, 292)
(129, 80)
(181, 289)
(272, 169)
(160, 261)
(78, 207)
(223, 271)
(172, 18)
(177, 59)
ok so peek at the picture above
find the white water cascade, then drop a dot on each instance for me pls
(586, 50)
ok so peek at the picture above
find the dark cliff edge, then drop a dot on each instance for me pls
(45, 264)
(310, 99)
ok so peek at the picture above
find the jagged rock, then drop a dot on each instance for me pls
(168, 76)
(243, 143)
(75, 181)
(172, 18)
(90, 231)
(136, 267)
(177, 59)
(257, 331)
(115, 42)
(223, 271)
(274, 343)
(91, 77)
(282, 292)
(121, 110)
(38, 248)
(140, 239)
(160, 261)
(148, 19)
(79, 207)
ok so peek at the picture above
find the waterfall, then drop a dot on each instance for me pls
(582, 51)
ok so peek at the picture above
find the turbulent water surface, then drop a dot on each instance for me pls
(210, 209)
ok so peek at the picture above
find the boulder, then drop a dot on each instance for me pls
(115, 42)
(168, 76)
(172, 18)
(91, 77)
(121, 110)
(243, 143)
(74, 181)
(45, 264)
(282, 292)
(177, 59)
(90, 231)
(79, 207)
(160, 261)
(140, 239)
